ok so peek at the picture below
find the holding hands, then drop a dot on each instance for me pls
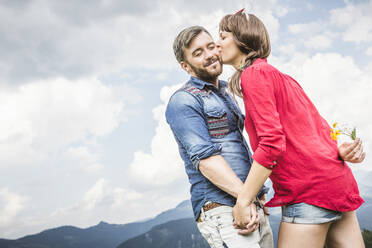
(246, 218)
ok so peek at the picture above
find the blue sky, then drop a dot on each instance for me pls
(83, 90)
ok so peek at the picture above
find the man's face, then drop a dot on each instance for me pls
(202, 59)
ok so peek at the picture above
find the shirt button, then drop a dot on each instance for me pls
(274, 162)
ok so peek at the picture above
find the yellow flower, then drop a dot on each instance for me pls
(335, 132)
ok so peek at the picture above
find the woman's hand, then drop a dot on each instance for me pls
(246, 218)
(352, 152)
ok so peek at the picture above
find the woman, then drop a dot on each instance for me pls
(291, 144)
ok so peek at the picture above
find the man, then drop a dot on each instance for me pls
(208, 125)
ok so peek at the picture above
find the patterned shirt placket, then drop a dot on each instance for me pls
(222, 94)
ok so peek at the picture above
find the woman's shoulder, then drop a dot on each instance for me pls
(259, 68)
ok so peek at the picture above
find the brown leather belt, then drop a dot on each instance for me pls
(211, 205)
(208, 207)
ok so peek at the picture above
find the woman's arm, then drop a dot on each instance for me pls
(256, 178)
(261, 106)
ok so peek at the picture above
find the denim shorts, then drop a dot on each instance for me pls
(303, 213)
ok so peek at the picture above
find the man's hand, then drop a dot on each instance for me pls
(352, 152)
(246, 218)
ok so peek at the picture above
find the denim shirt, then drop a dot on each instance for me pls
(206, 121)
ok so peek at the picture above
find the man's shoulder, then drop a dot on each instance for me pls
(193, 90)
(185, 96)
(183, 102)
(186, 93)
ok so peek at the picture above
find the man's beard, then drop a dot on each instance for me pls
(204, 74)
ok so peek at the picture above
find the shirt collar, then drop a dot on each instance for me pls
(200, 84)
(257, 61)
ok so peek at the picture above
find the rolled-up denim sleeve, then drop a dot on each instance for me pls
(184, 114)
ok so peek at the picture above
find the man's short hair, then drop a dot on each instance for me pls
(183, 40)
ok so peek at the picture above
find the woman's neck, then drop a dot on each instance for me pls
(239, 61)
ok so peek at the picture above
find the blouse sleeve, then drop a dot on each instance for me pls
(260, 103)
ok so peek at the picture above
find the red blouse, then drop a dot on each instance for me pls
(288, 135)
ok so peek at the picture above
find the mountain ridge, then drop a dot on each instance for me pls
(102, 235)
(106, 235)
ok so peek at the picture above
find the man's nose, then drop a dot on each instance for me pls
(218, 45)
(210, 53)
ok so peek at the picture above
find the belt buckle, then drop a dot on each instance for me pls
(199, 219)
(211, 205)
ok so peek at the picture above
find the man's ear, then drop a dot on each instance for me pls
(185, 66)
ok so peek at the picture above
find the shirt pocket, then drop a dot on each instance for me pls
(218, 125)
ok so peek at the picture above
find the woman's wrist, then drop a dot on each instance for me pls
(244, 201)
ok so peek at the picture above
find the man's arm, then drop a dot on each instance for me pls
(185, 117)
(218, 171)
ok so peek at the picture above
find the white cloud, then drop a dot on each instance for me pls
(314, 35)
(11, 204)
(307, 28)
(281, 11)
(95, 195)
(350, 23)
(102, 201)
(51, 129)
(52, 39)
(82, 158)
(163, 164)
(343, 16)
(369, 51)
(123, 196)
(318, 42)
(43, 117)
(356, 20)
(103, 195)
(309, 6)
(113, 204)
(287, 49)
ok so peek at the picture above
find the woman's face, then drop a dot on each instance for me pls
(228, 49)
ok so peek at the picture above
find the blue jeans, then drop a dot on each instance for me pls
(303, 213)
